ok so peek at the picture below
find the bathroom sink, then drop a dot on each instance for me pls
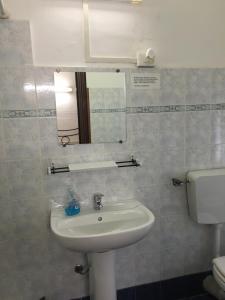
(114, 226)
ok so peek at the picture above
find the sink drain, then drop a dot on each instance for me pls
(99, 219)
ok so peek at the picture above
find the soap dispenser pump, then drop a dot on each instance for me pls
(73, 206)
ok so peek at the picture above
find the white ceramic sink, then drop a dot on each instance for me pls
(114, 226)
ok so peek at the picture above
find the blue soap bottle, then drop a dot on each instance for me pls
(73, 206)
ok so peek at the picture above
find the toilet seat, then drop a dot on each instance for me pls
(219, 271)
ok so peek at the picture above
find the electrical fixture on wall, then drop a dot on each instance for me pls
(146, 59)
(3, 14)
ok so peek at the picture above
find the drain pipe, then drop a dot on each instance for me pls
(3, 14)
(217, 240)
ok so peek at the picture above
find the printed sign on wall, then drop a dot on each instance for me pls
(149, 80)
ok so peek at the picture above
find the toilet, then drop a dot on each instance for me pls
(219, 271)
(206, 202)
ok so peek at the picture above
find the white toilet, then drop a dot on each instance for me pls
(219, 271)
(206, 200)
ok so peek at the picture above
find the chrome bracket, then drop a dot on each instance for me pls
(178, 182)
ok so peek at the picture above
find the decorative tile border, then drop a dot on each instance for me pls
(46, 113)
(108, 110)
(143, 109)
(32, 113)
(172, 108)
(199, 107)
(220, 106)
(18, 114)
(175, 108)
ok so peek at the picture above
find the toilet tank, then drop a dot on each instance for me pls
(206, 195)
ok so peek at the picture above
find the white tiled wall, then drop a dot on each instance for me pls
(32, 264)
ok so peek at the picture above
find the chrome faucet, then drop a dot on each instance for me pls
(98, 200)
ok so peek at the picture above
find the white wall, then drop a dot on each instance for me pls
(185, 33)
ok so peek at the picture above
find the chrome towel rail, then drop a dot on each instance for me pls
(120, 164)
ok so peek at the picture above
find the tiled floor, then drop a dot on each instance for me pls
(201, 297)
(188, 287)
(130, 297)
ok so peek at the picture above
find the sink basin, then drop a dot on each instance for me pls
(114, 226)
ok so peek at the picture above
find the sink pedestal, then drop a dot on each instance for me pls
(102, 276)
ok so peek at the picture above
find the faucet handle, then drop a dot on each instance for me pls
(98, 200)
(98, 196)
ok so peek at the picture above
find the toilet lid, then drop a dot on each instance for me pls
(219, 262)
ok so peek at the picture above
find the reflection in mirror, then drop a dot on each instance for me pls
(91, 107)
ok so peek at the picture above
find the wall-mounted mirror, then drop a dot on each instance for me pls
(90, 107)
